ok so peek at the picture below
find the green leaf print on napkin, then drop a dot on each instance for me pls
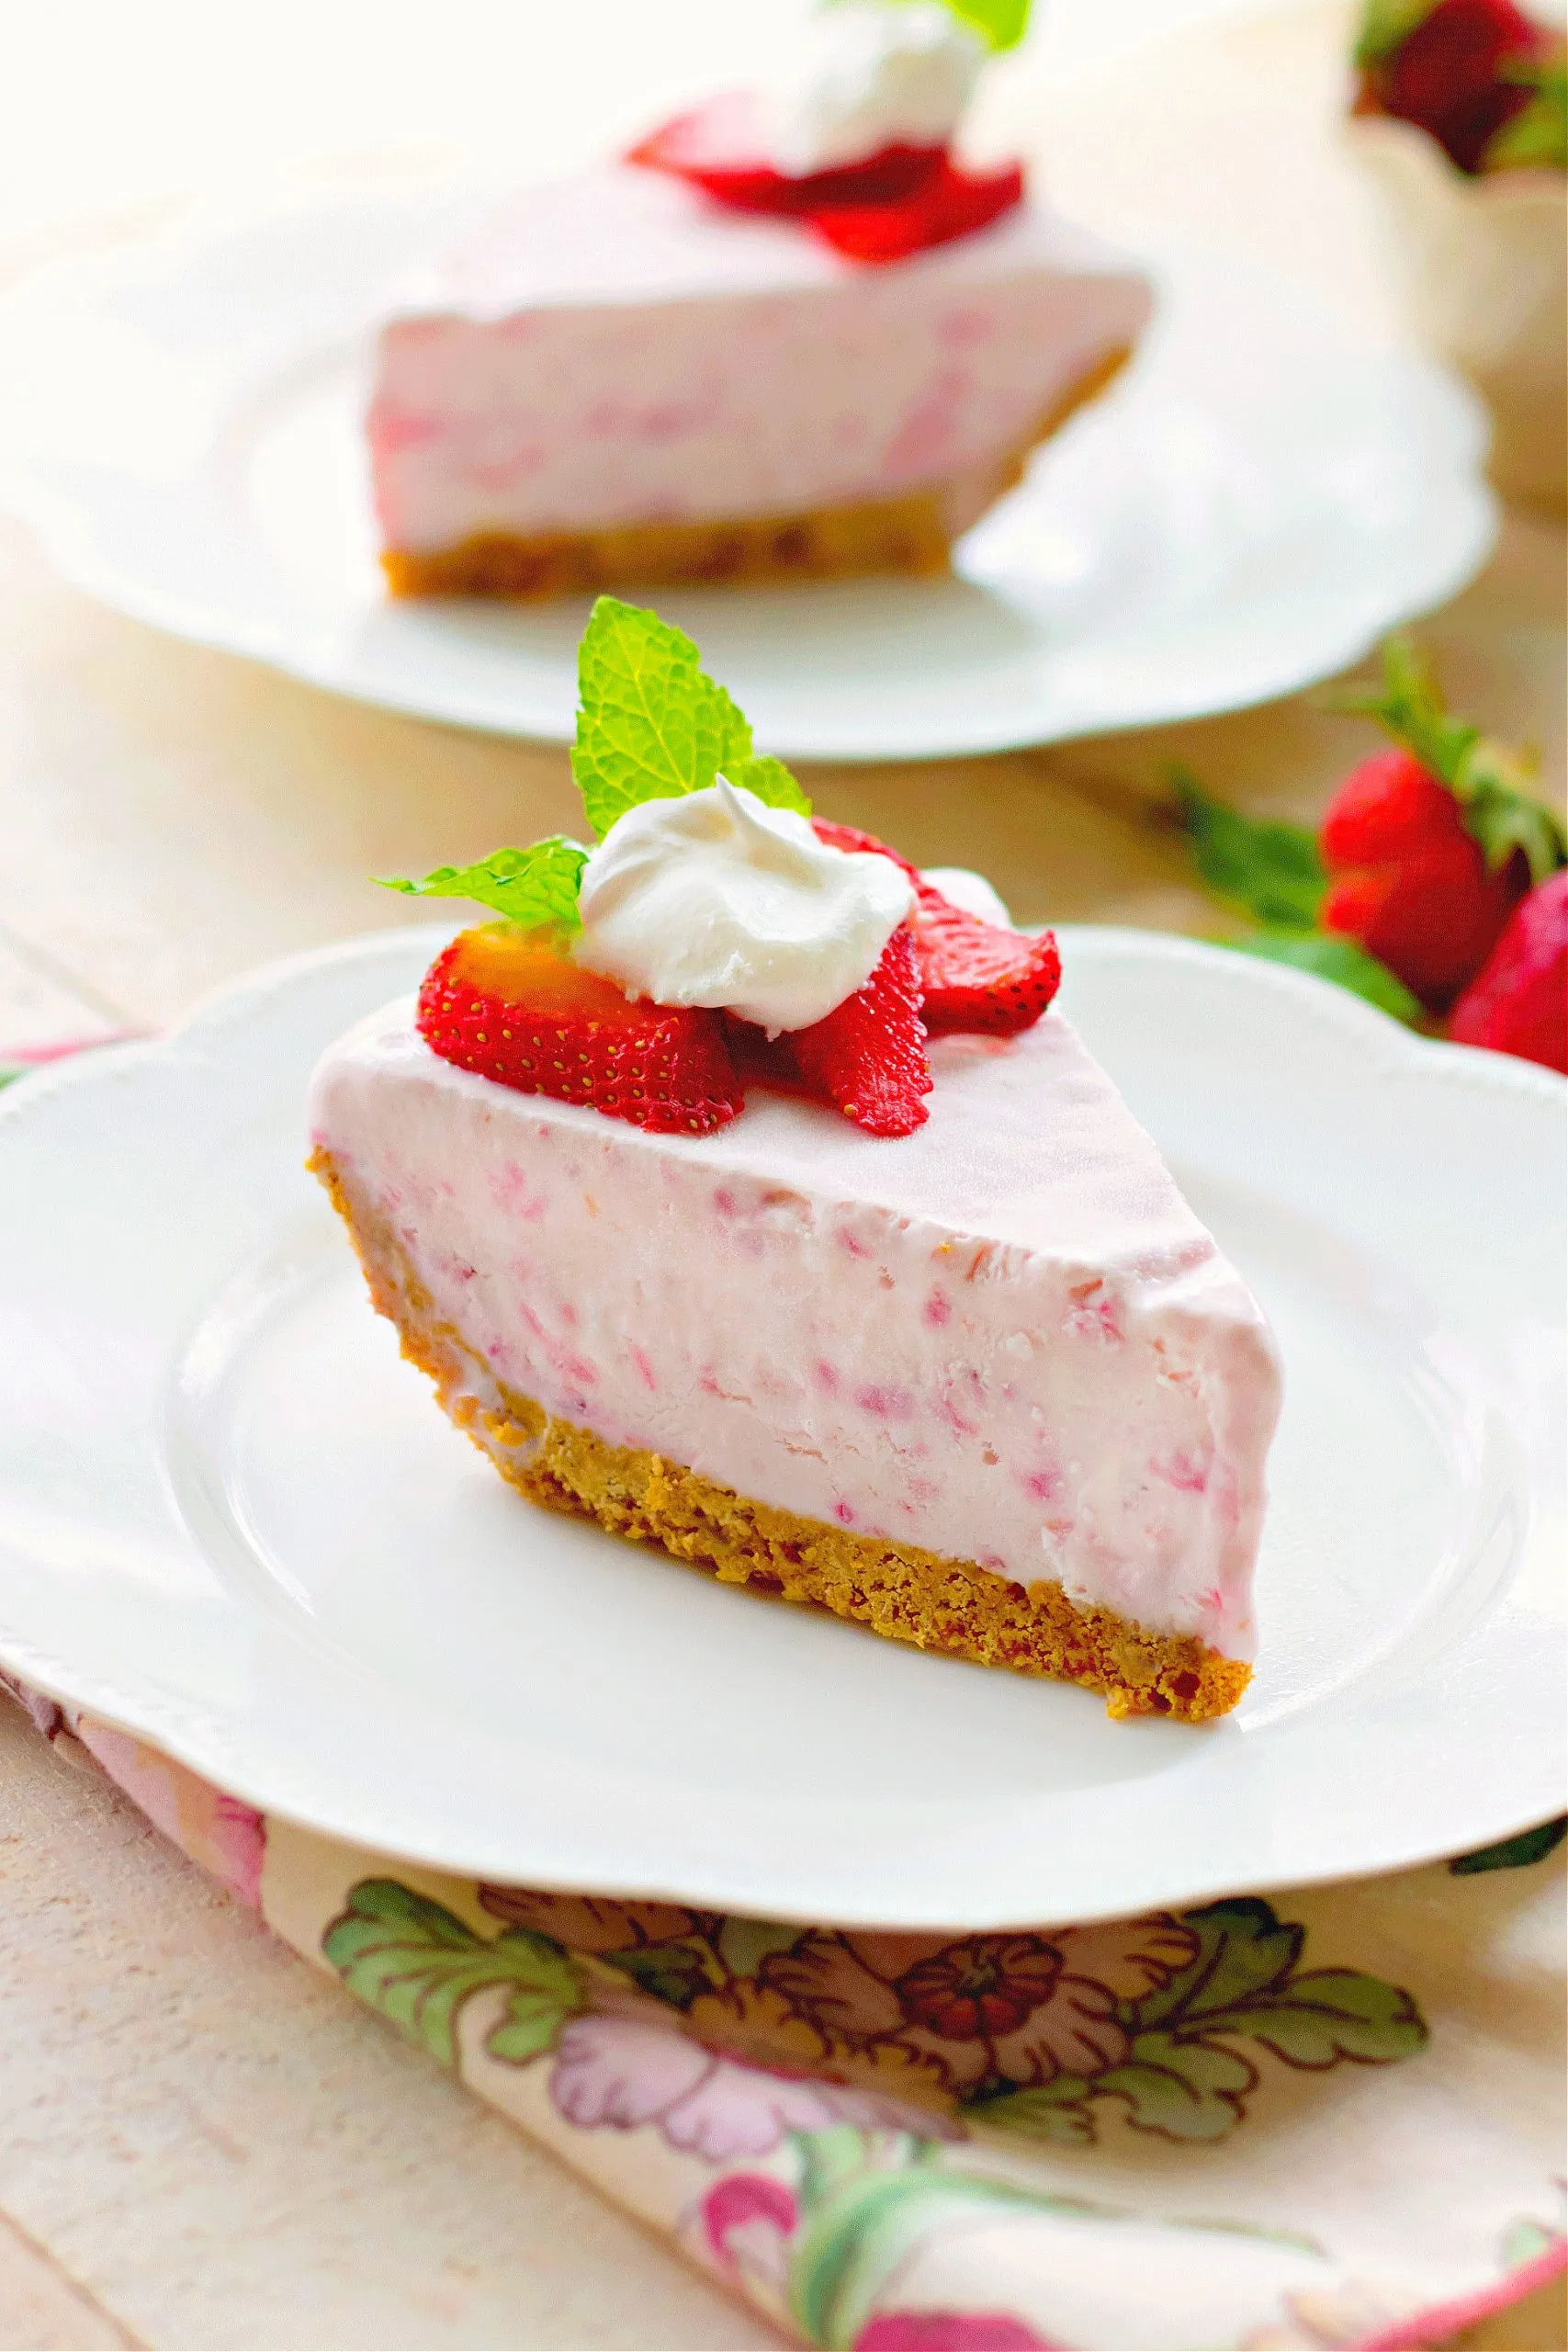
(1514, 1853)
(1179, 2079)
(417, 1963)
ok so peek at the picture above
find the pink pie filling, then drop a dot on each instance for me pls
(1006, 1338)
(618, 349)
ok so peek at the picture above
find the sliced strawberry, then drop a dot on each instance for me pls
(977, 975)
(868, 1057)
(720, 147)
(1519, 1002)
(508, 1004)
(879, 209)
(974, 975)
(849, 839)
(952, 203)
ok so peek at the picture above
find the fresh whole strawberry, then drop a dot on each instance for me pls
(868, 1057)
(1408, 882)
(508, 1004)
(1519, 1002)
(974, 975)
(1453, 71)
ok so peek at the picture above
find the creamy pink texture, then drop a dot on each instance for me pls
(1006, 1337)
(618, 349)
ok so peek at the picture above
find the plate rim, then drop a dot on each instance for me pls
(1364, 1030)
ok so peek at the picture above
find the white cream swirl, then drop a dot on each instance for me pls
(718, 900)
(872, 75)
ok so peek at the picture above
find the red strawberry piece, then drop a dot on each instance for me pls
(1445, 75)
(720, 148)
(852, 839)
(1517, 1003)
(878, 208)
(977, 975)
(974, 975)
(1408, 882)
(952, 203)
(508, 1004)
(868, 1057)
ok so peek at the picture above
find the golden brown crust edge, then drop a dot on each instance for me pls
(906, 535)
(896, 1589)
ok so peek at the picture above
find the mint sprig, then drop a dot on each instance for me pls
(1490, 782)
(1001, 24)
(1270, 871)
(534, 888)
(652, 726)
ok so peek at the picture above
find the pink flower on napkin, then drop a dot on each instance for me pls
(225, 1836)
(949, 2332)
(621, 2073)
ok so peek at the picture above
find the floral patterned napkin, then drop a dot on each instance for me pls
(1335, 2118)
(1332, 2119)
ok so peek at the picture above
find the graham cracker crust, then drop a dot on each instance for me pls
(910, 534)
(896, 1588)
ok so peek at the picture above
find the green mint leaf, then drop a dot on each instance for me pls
(1272, 871)
(1001, 24)
(1537, 137)
(1386, 25)
(650, 725)
(1491, 783)
(534, 888)
(1330, 957)
(770, 781)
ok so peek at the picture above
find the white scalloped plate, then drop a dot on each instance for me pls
(1263, 497)
(233, 1520)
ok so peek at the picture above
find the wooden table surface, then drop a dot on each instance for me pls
(202, 2142)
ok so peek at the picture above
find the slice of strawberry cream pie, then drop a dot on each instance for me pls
(785, 337)
(743, 1192)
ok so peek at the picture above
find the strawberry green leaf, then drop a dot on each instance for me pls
(1330, 957)
(1271, 871)
(770, 781)
(1409, 707)
(650, 724)
(1491, 783)
(1001, 24)
(1386, 25)
(1537, 137)
(534, 888)
(1503, 820)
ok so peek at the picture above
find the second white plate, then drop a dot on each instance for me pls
(233, 1520)
(1263, 497)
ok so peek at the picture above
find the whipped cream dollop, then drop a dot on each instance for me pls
(873, 73)
(718, 900)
